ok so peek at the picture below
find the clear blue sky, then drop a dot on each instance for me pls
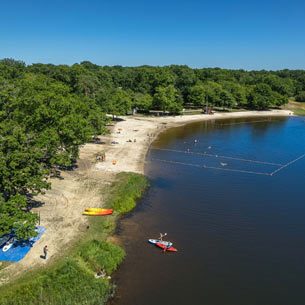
(217, 33)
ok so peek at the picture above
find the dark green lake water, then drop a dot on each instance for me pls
(239, 229)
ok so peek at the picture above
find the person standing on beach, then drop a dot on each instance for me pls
(45, 251)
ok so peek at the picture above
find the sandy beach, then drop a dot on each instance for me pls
(125, 148)
(130, 156)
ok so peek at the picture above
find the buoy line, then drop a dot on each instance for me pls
(219, 156)
(287, 164)
(211, 167)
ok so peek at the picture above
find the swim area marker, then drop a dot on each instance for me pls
(218, 156)
(280, 166)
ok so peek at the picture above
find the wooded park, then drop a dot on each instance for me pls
(47, 111)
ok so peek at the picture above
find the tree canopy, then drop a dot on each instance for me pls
(42, 124)
(118, 89)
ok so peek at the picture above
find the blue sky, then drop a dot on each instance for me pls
(216, 33)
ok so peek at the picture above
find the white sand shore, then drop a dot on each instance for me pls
(62, 206)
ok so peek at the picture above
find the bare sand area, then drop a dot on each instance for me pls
(125, 148)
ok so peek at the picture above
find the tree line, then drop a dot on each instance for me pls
(47, 111)
(171, 88)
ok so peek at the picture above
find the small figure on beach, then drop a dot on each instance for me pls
(100, 157)
(45, 251)
(102, 274)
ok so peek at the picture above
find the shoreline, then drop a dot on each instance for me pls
(130, 156)
(133, 230)
(72, 194)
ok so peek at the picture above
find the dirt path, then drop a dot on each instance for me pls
(61, 207)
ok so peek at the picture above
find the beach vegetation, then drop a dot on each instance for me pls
(300, 97)
(126, 191)
(72, 279)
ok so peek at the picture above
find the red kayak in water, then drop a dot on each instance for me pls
(165, 248)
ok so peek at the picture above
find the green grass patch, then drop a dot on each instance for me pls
(299, 111)
(67, 284)
(101, 255)
(298, 108)
(70, 280)
(125, 192)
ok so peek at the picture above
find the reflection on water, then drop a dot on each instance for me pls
(240, 236)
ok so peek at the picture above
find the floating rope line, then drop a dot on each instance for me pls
(287, 164)
(219, 156)
(211, 167)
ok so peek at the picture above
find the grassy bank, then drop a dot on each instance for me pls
(71, 280)
(297, 107)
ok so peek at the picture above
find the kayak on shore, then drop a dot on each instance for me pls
(97, 212)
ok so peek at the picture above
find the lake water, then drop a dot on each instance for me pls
(231, 196)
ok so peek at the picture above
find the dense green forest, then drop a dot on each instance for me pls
(48, 111)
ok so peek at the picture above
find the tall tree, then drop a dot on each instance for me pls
(167, 99)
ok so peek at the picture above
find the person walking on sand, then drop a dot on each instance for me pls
(45, 251)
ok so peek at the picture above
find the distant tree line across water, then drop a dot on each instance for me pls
(47, 111)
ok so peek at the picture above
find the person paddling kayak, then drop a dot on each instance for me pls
(164, 245)
(162, 235)
(168, 245)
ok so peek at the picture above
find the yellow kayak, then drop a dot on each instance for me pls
(97, 211)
